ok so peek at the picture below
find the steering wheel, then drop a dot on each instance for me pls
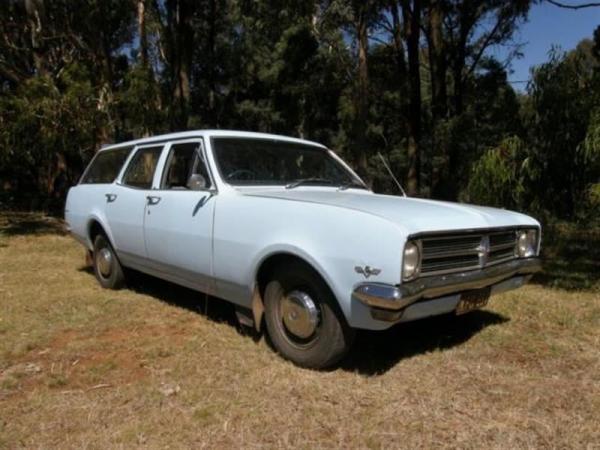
(241, 174)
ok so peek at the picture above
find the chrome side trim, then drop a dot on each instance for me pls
(386, 296)
(177, 275)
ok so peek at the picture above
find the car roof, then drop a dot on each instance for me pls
(209, 133)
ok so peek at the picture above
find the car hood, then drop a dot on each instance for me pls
(413, 215)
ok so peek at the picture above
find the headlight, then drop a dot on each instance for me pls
(526, 243)
(411, 261)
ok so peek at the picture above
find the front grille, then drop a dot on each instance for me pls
(502, 247)
(466, 251)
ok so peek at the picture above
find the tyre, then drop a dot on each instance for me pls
(303, 318)
(107, 267)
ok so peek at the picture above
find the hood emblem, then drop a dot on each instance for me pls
(367, 271)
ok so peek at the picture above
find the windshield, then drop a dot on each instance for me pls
(254, 162)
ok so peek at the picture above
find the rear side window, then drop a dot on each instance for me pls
(105, 167)
(140, 171)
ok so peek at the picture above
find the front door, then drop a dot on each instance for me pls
(179, 218)
(126, 204)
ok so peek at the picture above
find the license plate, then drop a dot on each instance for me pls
(474, 299)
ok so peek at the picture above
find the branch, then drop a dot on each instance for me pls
(10, 73)
(580, 6)
(379, 40)
(485, 45)
(386, 24)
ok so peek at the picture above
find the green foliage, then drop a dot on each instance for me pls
(562, 93)
(77, 74)
(139, 103)
(48, 128)
(589, 149)
(589, 157)
(591, 205)
(500, 177)
(554, 169)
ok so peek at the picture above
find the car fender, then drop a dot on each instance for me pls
(100, 217)
(249, 229)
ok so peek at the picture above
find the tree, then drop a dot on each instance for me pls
(176, 35)
(557, 120)
(58, 76)
(470, 28)
(411, 12)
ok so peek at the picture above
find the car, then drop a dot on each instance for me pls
(285, 230)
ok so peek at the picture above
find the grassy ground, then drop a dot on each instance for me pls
(83, 367)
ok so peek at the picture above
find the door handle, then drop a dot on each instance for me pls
(153, 199)
(203, 201)
(110, 198)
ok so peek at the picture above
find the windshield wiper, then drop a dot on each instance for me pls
(352, 183)
(302, 181)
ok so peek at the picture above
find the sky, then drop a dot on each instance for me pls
(549, 25)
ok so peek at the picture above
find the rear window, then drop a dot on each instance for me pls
(105, 167)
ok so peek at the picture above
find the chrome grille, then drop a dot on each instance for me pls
(466, 251)
(502, 247)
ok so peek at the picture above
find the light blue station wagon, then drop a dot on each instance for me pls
(286, 231)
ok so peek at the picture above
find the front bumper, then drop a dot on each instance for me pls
(395, 298)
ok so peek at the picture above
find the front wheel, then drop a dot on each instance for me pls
(303, 319)
(107, 267)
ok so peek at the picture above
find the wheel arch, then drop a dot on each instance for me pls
(265, 269)
(277, 259)
(96, 225)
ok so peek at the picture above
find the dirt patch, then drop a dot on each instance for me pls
(76, 360)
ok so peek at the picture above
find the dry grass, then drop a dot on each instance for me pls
(83, 367)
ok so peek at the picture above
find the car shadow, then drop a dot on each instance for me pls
(376, 352)
(373, 353)
(213, 308)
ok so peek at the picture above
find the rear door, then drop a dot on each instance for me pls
(179, 219)
(126, 203)
(89, 197)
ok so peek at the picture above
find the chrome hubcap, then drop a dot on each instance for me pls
(104, 261)
(299, 314)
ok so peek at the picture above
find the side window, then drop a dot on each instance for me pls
(140, 171)
(105, 167)
(185, 168)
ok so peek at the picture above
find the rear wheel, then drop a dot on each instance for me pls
(303, 319)
(107, 267)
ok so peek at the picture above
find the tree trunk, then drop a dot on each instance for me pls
(35, 18)
(141, 20)
(448, 187)
(181, 48)
(438, 69)
(362, 99)
(437, 57)
(412, 29)
(213, 119)
(398, 48)
(459, 60)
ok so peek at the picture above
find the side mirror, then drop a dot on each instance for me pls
(196, 182)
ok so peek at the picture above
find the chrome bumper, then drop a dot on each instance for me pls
(390, 297)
